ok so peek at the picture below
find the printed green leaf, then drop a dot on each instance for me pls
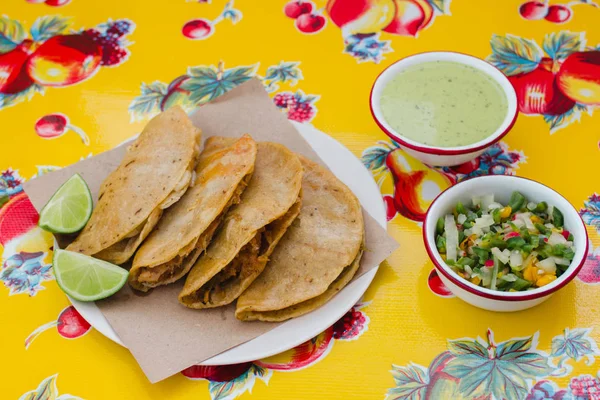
(411, 382)
(557, 122)
(284, 72)
(45, 391)
(148, 103)
(575, 344)
(230, 390)
(514, 55)
(12, 34)
(559, 45)
(374, 157)
(8, 100)
(207, 83)
(441, 6)
(512, 346)
(48, 26)
(462, 346)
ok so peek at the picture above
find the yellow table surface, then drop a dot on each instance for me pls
(76, 69)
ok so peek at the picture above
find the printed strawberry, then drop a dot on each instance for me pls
(301, 112)
(284, 100)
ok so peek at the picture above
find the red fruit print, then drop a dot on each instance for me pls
(579, 77)
(69, 324)
(284, 100)
(533, 10)
(411, 17)
(301, 112)
(64, 60)
(406, 198)
(13, 74)
(437, 286)
(17, 216)
(55, 125)
(35, 1)
(217, 373)
(175, 93)
(350, 326)
(294, 9)
(390, 208)
(559, 14)
(538, 91)
(57, 3)
(198, 29)
(310, 23)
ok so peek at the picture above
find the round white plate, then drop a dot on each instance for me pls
(350, 171)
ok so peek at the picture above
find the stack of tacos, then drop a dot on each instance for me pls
(246, 221)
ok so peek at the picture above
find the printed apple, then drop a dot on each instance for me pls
(13, 74)
(406, 185)
(361, 16)
(65, 60)
(538, 91)
(411, 17)
(17, 217)
(579, 77)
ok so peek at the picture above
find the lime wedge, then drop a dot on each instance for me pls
(69, 209)
(86, 278)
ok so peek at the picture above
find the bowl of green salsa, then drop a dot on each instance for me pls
(443, 108)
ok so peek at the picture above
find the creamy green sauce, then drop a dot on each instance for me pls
(443, 104)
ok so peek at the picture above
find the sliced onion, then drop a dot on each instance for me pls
(484, 222)
(451, 237)
(531, 206)
(461, 218)
(486, 200)
(516, 259)
(509, 277)
(476, 201)
(561, 261)
(494, 205)
(556, 238)
(548, 265)
(501, 256)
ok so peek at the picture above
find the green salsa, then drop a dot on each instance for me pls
(444, 104)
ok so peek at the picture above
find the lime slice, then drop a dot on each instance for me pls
(86, 278)
(69, 209)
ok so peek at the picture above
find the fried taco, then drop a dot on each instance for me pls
(155, 172)
(318, 255)
(186, 228)
(250, 231)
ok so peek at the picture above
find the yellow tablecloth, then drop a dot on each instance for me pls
(75, 69)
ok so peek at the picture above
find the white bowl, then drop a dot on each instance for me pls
(502, 187)
(444, 156)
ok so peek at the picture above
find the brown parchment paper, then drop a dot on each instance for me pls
(163, 336)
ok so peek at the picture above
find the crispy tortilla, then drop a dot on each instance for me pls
(316, 258)
(251, 230)
(155, 172)
(186, 228)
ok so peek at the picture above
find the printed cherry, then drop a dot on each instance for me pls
(198, 29)
(294, 9)
(69, 324)
(35, 1)
(390, 208)
(310, 23)
(13, 74)
(55, 125)
(57, 3)
(533, 10)
(559, 14)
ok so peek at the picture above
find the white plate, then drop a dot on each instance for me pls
(350, 171)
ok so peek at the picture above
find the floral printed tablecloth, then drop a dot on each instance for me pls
(78, 77)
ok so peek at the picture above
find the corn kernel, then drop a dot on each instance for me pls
(443, 257)
(500, 274)
(536, 220)
(512, 290)
(476, 280)
(505, 212)
(544, 280)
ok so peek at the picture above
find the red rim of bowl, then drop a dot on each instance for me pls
(437, 150)
(461, 283)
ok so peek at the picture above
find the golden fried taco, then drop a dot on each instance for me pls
(186, 228)
(250, 231)
(318, 255)
(154, 173)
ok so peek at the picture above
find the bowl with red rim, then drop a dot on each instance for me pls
(502, 187)
(444, 156)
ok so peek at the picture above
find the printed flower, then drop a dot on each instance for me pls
(367, 47)
(591, 212)
(10, 185)
(47, 390)
(284, 72)
(590, 273)
(25, 272)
